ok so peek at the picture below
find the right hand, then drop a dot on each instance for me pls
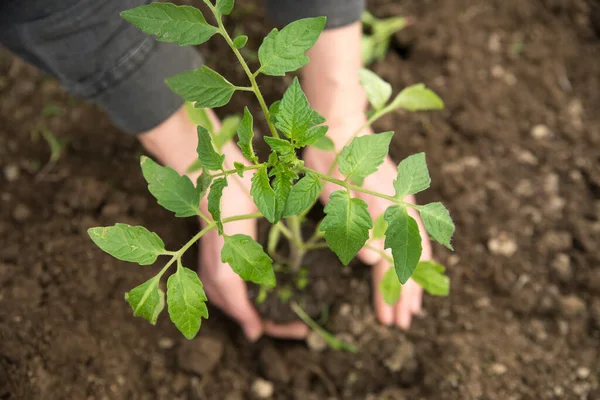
(225, 288)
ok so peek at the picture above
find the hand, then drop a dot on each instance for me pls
(174, 143)
(225, 288)
(409, 303)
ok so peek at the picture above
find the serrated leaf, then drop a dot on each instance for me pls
(295, 118)
(224, 6)
(128, 243)
(273, 110)
(214, 201)
(203, 86)
(402, 236)
(239, 168)
(413, 175)
(378, 91)
(227, 132)
(186, 301)
(325, 144)
(438, 223)
(379, 227)
(207, 155)
(172, 191)
(282, 185)
(346, 225)
(364, 155)
(248, 259)
(245, 133)
(184, 25)
(286, 151)
(390, 287)
(199, 116)
(240, 41)
(303, 194)
(203, 183)
(263, 194)
(430, 276)
(283, 51)
(417, 98)
(146, 300)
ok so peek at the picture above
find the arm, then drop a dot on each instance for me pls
(332, 86)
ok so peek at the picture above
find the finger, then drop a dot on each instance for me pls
(294, 330)
(383, 311)
(404, 308)
(369, 256)
(417, 303)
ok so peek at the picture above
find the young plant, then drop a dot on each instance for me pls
(283, 188)
(375, 44)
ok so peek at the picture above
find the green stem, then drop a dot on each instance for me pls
(245, 67)
(355, 188)
(316, 246)
(233, 171)
(382, 253)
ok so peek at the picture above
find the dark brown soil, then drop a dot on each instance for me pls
(515, 156)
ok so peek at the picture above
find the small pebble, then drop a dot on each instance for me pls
(483, 302)
(498, 369)
(502, 245)
(572, 305)
(315, 342)
(583, 372)
(494, 43)
(166, 343)
(561, 265)
(540, 132)
(21, 213)
(262, 389)
(11, 172)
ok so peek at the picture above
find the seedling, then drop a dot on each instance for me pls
(283, 188)
(375, 44)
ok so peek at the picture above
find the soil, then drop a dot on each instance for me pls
(515, 157)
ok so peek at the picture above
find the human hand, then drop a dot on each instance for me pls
(409, 302)
(225, 288)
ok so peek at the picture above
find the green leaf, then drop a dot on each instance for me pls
(203, 183)
(282, 185)
(379, 227)
(364, 155)
(239, 167)
(147, 300)
(187, 301)
(263, 194)
(174, 192)
(378, 90)
(402, 236)
(203, 86)
(214, 201)
(248, 259)
(413, 175)
(430, 276)
(199, 116)
(295, 118)
(207, 155)
(438, 223)
(325, 144)
(273, 110)
(240, 41)
(390, 287)
(283, 51)
(227, 132)
(286, 151)
(184, 25)
(346, 225)
(417, 98)
(224, 6)
(303, 194)
(245, 133)
(128, 243)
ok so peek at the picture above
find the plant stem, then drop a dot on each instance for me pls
(355, 188)
(382, 253)
(233, 171)
(297, 250)
(244, 65)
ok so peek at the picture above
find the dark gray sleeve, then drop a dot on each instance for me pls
(338, 12)
(99, 56)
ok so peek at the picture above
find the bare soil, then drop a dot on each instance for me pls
(515, 157)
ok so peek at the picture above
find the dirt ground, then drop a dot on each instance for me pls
(515, 157)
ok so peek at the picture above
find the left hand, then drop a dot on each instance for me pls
(409, 303)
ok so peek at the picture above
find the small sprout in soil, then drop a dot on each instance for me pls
(283, 189)
(55, 145)
(378, 35)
